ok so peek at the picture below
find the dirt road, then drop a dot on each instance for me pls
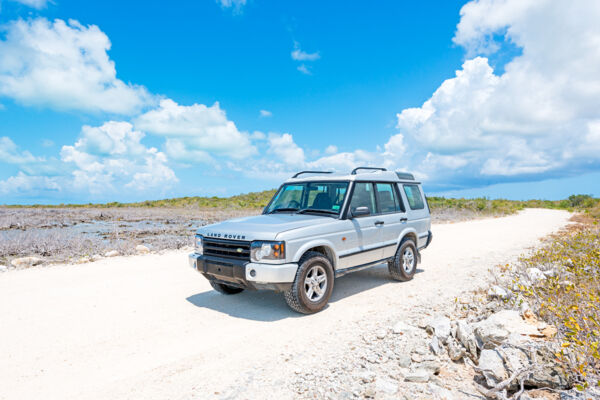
(149, 327)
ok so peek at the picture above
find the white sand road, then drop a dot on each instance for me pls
(149, 327)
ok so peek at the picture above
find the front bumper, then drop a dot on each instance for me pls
(245, 274)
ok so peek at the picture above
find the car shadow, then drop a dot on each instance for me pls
(268, 306)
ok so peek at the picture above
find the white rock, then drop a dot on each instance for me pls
(3, 268)
(386, 386)
(440, 393)
(404, 360)
(441, 327)
(492, 367)
(96, 257)
(535, 274)
(112, 253)
(550, 273)
(366, 376)
(435, 346)
(418, 375)
(26, 262)
(497, 327)
(140, 248)
(455, 350)
(381, 334)
(465, 335)
(402, 328)
(496, 292)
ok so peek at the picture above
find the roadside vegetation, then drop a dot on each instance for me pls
(568, 296)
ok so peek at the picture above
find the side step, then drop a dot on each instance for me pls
(342, 272)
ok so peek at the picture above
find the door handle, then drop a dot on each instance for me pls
(379, 222)
(403, 219)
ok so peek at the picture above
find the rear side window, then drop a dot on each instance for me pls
(415, 199)
(388, 198)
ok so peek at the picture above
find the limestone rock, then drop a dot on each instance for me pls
(535, 275)
(418, 375)
(492, 367)
(386, 386)
(440, 327)
(466, 336)
(140, 248)
(496, 292)
(111, 253)
(26, 262)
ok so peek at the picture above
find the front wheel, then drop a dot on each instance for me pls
(404, 264)
(225, 289)
(313, 284)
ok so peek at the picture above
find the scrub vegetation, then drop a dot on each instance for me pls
(65, 233)
(569, 296)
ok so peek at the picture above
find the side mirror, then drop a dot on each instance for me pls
(361, 211)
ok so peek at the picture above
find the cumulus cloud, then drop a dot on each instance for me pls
(65, 66)
(38, 4)
(112, 156)
(299, 55)
(10, 153)
(236, 5)
(527, 122)
(196, 128)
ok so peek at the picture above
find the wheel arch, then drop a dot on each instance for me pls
(321, 246)
(408, 233)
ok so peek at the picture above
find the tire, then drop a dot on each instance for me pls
(225, 289)
(404, 264)
(310, 292)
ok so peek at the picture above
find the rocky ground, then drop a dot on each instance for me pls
(44, 236)
(488, 344)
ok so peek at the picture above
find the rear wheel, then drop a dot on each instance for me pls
(404, 264)
(225, 289)
(313, 284)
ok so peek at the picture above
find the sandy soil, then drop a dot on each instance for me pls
(149, 327)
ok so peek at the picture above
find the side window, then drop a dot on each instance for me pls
(388, 198)
(413, 194)
(363, 196)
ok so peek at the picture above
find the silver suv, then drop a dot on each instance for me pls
(318, 227)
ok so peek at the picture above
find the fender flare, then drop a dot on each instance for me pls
(404, 233)
(318, 243)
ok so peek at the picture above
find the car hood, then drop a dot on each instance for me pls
(260, 227)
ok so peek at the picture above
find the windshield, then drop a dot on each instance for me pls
(309, 196)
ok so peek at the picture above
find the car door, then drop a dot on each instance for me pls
(393, 215)
(418, 214)
(367, 241)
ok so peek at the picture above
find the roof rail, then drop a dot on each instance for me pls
(371, 168)
(405, 175)
(311, 172)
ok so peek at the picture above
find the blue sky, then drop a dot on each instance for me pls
(122, 101)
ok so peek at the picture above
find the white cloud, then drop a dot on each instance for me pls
(197, 128)
(266, 113)
(300, 55)
(331, 149)
(534, 120)
(10, 153)
(304, 69)
(236, 5)
(23, 184)
(64, 66)
(38, 4)
(285, 149)
(111, 156)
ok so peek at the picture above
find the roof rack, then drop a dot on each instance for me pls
(405, 175)
(311, 172)
(370, 168)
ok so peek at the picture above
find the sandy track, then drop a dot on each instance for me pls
(149, 327)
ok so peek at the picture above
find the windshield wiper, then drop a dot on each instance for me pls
(305, 210)
(282, 209)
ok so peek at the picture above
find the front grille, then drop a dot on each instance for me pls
(233, 249)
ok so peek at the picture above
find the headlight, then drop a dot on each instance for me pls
(267, 251)
(198, 245)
